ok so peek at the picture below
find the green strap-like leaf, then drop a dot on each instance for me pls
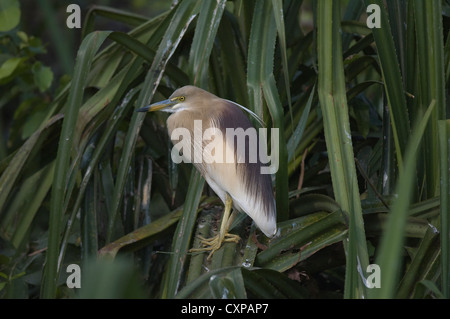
(182, 236)
(444, 138)
(333, 102)
(202, 44)
(392, 81)
(86, 53)
(261, 85)
(183, 16)
(389, 256)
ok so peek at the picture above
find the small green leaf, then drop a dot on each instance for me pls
(9, 14)
(9, 66)
(23, 36)
(43, 76)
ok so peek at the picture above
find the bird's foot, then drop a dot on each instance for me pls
(213, 244)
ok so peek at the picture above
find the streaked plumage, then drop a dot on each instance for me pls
(250, 190)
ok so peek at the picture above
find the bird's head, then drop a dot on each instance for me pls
(186, 97)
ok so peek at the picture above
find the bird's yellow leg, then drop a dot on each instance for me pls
(213, 244)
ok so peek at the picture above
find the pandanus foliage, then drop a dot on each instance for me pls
(362, 188)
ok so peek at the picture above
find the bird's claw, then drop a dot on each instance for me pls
(213, 244)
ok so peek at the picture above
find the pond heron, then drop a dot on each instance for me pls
(239, 183)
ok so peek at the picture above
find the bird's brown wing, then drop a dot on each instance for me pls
(241, 178)
(250, 189)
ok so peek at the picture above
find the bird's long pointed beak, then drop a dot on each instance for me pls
(162, 105)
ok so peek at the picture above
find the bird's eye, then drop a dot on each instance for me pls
(181, 98)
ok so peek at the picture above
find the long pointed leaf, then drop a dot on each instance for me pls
(183, 16)
(332, 96)
(85, 55)
(183, 234)
(205, 33)
(392, 81)
(444, 135)
(261, 84)
(389, 257)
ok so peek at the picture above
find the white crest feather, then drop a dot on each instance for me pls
(253, 114)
